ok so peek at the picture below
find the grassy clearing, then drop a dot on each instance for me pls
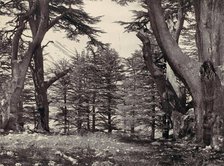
(98, 141)
(99, 150)
(92, 149)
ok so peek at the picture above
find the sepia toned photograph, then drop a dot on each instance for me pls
(111, 83)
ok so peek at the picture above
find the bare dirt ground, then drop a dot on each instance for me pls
(101, 150)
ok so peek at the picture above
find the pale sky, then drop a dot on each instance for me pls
(124, 43)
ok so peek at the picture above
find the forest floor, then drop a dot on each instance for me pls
(100, 150)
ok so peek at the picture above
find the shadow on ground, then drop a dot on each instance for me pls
(102, 150)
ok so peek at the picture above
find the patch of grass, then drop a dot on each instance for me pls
(99, 149)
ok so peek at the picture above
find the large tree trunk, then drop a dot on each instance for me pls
(41, 87)
(13, 98)
(210, 28)
(175, 29)
(209, 39)
(183, 66)
(210, 42)
(41, 90)
(39, 24)
(19, 67)
(43, 110)
(213, 106)
(38, 78)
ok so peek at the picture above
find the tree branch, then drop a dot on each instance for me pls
(61, 11)
(22, 22)
(47, 44)
(186, 68)
(56, 77)
(180, 21)
(55, 20)
(39, 34)
(15, 41)
(162, 84)
(42, 28)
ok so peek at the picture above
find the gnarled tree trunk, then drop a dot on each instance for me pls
(20, 66)
(209, 16)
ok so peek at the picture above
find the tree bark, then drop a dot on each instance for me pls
(210, 27)
(213, 106)
(20, 67)
(209, 19)
(186, 69)
(175, 30)
(41, 91)
(38, 72)
(210, 42)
